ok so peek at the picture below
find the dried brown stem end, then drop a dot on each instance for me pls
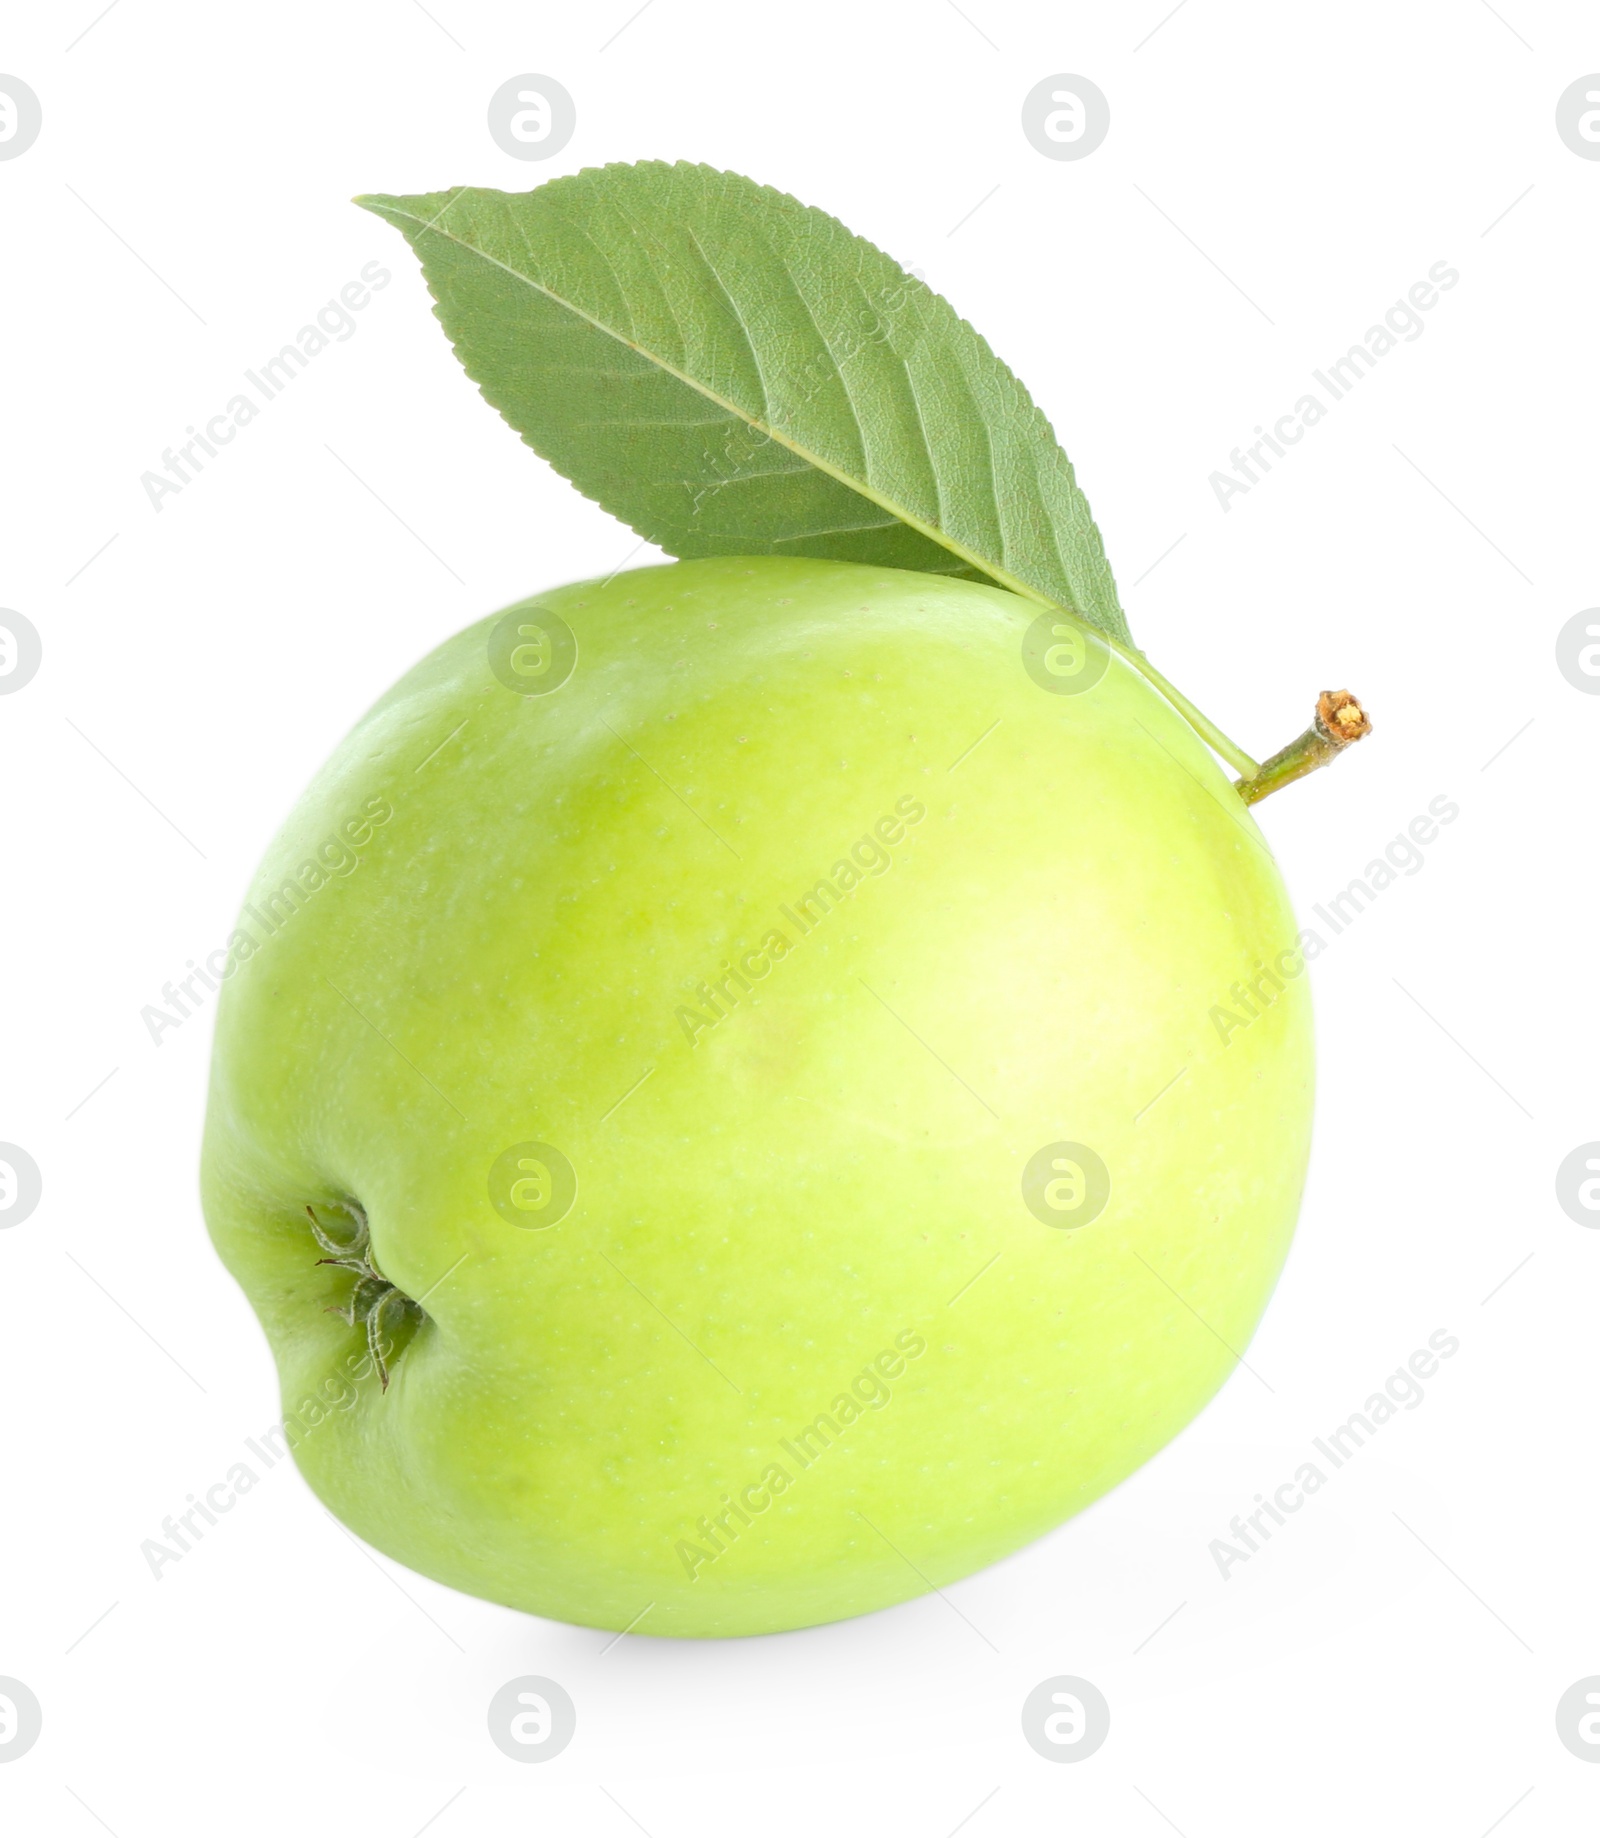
(1339, 722)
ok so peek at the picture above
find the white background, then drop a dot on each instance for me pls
(1395, 1655)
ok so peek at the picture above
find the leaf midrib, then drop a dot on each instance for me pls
(932, 532)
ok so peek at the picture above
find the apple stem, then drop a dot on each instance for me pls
(1339, 722)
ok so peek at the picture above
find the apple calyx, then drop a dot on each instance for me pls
(375, 1302)
(1339, 722)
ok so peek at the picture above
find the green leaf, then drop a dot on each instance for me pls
(733, 373)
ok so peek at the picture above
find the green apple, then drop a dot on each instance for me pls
(778, 1086)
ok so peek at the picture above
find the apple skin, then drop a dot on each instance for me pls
(586, 1424)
